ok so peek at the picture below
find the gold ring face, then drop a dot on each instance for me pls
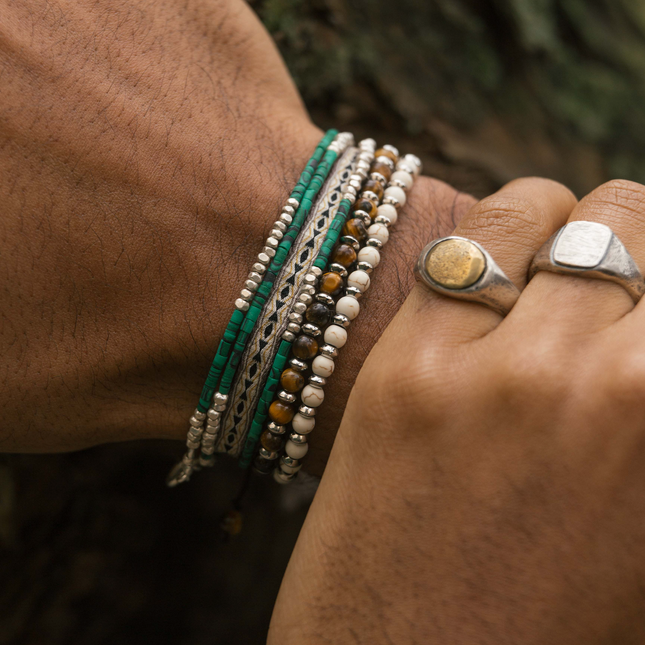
(455, 264)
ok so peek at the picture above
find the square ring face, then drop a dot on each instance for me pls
(582, 245)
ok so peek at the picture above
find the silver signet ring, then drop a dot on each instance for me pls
(590, 250)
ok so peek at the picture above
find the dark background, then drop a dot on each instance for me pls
(94, 550)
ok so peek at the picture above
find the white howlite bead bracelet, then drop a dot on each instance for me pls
(359, 280)
(379, 232)
(348, 306)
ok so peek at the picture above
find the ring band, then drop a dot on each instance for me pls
(461, 268)
(590, 250)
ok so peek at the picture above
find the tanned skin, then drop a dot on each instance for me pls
(487, 483)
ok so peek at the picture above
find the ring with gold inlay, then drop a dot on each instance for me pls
(461, 268)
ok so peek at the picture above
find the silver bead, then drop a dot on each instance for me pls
(350, 190)
(329, 351)
(259, 268)
(256, 277)
(289, 461)
(385, 160)
(371, 195)
(298, 365)
(317, 381)
(362, 164)
(281, 477)
(195, 422)
(376, 243)
(342, 320)
(367, 220)
(369, 143)
(251, 285)
(350, 198)
(285, 218)
(306, 298)
(406, 167)
(325, 298)
(317, 271)
(355, 184)
(272, 242)
(352, 241)
(289, 210)
(399, 183)
(208, 450)
(377, 176)
(288, 336)
(193, 444)
(309, 289)
(220, 407)
(391, 149)
(198, 414)
(300, 307)
(218, 397)
(214, 415)
(353, 291)
(295, 318)
(348, 137)
(388, 199)
(356, 177)
(311, 330)
(366, 155)
(268, 454)
(338, 268)
(205, 462)
(293, 327)
(264, 258)
(293, 202)
(413, 159)
(382, 219)
(310, 279)
(362, 172)
(306, 411)
(298, 438)
(365, 266)
(287, 397)
(242, 305)
(276, 428)
(279, 226)
(246, 294)
(269, 251)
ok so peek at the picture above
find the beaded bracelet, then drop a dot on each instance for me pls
(277, 315)
(366, 210)
(256, 290)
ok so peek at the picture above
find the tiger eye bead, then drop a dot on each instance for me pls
(366, 205)
(344, 255)
(331, 283)
(382, 169)
(280, 412)
(318, 314)
(375, 186)
(304, 347)
(271, 441)
(383, 152)
(291, 380)
(356, 228)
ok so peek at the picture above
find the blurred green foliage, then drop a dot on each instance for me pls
(570, 72)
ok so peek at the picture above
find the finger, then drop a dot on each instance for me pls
(573, 303)
(511, 225)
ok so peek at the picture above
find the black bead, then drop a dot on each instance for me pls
(318, 314)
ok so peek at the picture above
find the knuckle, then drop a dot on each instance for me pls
(621, 384)
(615, 197)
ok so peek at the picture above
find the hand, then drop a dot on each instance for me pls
(145, 149)
(487, 484)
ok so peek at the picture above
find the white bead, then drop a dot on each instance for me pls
(389, 211)
(280, 478)
(302, 424)
(348, 305)
(335, 335)
(404, 177)
(360, 280)
(312, 396)
(379, 231)
(296, 450)
(323, 366)
(397, 193)
(415, 162)
(370, 254)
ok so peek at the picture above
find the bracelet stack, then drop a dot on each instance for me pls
(297, 302)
